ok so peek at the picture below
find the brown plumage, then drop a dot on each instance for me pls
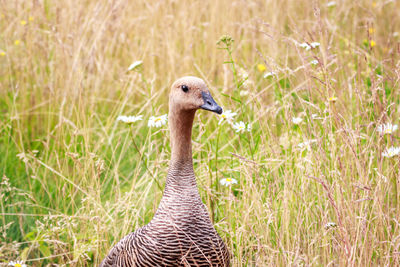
(181, 232)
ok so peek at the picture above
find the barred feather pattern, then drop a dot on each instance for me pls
(180, 234)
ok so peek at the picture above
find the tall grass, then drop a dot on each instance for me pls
(74, 180)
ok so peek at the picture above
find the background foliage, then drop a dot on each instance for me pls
(74, 180)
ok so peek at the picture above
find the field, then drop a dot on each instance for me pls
(317, 81)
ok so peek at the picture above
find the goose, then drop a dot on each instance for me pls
(181, 232)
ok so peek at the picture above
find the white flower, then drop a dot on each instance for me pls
(305, 46)
(331, 4)
(297, 120)
(241, 127)
(330, 225)
(135, 65)
(269, 74)
(243, 73)
(306, 143)
(17, 264)
(244, 93)
(247, 84)
(157, 121)
(391, 152)
(228, 181)
(387, 128)
(310, 46)
(226, 115)
(129, 119)
(314, 62)
(249, 127)
(315, 44)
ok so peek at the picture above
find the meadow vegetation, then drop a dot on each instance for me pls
(312, 81)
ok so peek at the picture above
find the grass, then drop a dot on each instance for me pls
(74, 180)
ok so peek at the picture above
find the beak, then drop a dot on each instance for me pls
(210, 104)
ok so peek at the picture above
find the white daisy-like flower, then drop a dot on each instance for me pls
(387, 128)
(391, 152)
(227, 115)
(228, 181)
(330, 225)
(241, 127)
(129, 119)
(135, 65)
(157, 121)
(314, 62)
(17, 264)
(331, 4)
(297, 120)
(269, 74)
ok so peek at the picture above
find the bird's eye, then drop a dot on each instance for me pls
(185, 88)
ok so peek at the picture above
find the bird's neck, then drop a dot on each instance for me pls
(181, 178)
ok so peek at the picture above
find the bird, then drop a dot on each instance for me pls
(181, 232)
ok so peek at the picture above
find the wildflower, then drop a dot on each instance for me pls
(31, 18)
(332, 99)
(247, 84)
(244, 93)
(17, 42)
(310, 46)
(315, 44)
(226, 115)
(306, 143)
(396, 34)
(391, 152)
(371, 30)
(243, 74)
(269, 74)
(228, 181)
(387, 128)
(227, 40)
(135, 65)
(129, 119)
(331, 4)
(2, 53)
(22, 156)
(241, 127)
(23, 22)
(374, 4)
(261, 67)
(314, 62)
(330, 225)
(372, 43)
(157, 121)
(249, 127)
(297, 120)
(305, 46)
(17, 264)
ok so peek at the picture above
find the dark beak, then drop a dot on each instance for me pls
(210, 104)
